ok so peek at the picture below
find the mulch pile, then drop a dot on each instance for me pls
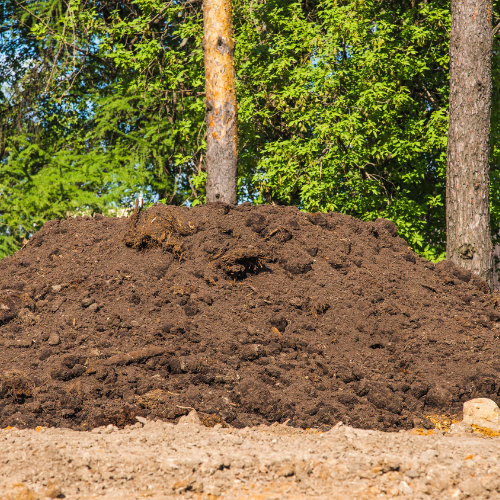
(247, 314)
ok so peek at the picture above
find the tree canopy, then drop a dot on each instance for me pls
(343, 105)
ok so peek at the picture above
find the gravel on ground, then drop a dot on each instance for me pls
(159, 460)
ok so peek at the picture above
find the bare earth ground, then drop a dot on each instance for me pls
(190, 461)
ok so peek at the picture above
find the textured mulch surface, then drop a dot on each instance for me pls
(247, 314)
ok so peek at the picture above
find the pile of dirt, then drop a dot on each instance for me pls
(247, 314)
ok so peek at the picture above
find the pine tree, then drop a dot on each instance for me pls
(221, 108)
(469, 241)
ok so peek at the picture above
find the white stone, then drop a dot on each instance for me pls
(54, 339)
(482, 412)
(192, 419)
(404, 488)
(428, 455)
(472, 487)
(461, 428)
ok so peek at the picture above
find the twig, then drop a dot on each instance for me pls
(137, 206)
(52, 32)
(431, 98)
(156, 20)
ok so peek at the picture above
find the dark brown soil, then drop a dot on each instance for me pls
(247, 314)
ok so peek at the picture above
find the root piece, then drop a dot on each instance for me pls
(158, 227)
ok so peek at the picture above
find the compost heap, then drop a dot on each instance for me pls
(248, 314)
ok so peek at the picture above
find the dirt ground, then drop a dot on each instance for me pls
(278, 462)
(249, 315)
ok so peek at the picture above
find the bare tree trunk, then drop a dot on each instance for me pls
(221, 108)
(467, 178)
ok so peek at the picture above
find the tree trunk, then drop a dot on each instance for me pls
(467, 178)
(221, 108)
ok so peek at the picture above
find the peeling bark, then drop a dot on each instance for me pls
(221, 107)
(467, 179)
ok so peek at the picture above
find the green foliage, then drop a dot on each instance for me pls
(342, 106)
(360, 96)
(97, 118)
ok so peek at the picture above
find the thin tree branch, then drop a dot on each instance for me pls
(52, 32)
(56, 58)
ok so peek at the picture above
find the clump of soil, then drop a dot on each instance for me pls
(247, 314)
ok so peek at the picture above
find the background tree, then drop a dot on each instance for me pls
(99, 102)
(469, 241)
(220, 88)
(355, 95)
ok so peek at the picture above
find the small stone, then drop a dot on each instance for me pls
(56, 288)
(54, 339)
(134, 324)
(405, 489)
(93, 307)
(286, 470)
(251, 330)
(438, 397)
(22, 491)
(53, 490)
(251, 352)
(54, 307)
(296, 302)
(302, 470)
(461, 428)
(273, 371)
(183, 485)
(87, 301)
(142, 420)
(391, 464)
(19, 343)
(412, 474)
(27, 317)
(471, 487)
(192, 418)
(439, 481)
(491, 482)
(197, 487)
(243, 339)
(482, 412)
(428, 455)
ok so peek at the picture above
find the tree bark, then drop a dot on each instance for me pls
(221, 107)
(468, 234)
